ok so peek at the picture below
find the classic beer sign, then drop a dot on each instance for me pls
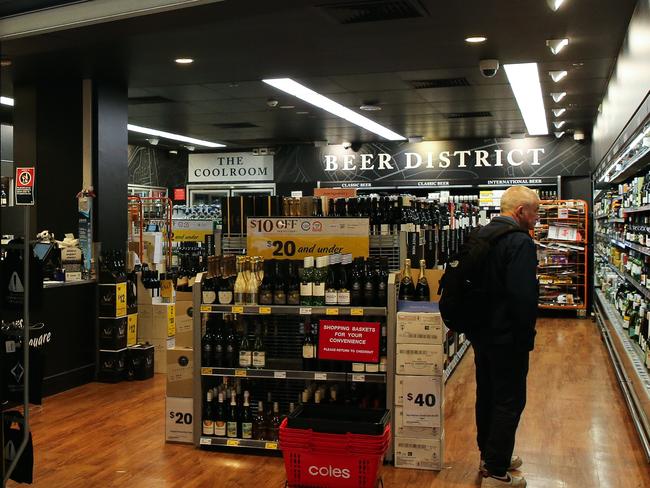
(479, 158)
(227, 167)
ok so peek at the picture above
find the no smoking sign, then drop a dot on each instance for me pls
(24, 190)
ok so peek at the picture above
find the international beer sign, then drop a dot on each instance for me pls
(298, 237)
(24, 186)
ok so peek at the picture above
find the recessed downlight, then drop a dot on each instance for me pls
(559, 124)
(557, 96)
(557, 112)
(557, 75)
(556, 45)
(287, 106)
(558, 135)
(7, 101)
(475, 39)
(183, 60)
(555, 4)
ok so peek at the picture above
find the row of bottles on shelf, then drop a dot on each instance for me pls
(227, 412)
(232, 341)
(635, 193)
(633, 307)
(547, 194)
(197, 212)
(609, 205)
(326, 280)
(112, 266)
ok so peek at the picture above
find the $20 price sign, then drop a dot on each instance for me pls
(298, 237)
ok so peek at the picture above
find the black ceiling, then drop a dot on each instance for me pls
(416, 66)
(16, 7)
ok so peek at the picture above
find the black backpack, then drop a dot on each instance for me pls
(463, 296)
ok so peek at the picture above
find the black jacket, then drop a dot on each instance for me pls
(511, 280)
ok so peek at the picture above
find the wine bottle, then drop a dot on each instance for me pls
(208, 415)
(245, 351)
(218, 344)
(253, 280)
(207, 342)
(226, 283)
(331, 290)
(220, 417)
(241, 284)
(307, 281)
(293, 284)
(369, 284)
(382, 282)
(275, 422)
(343, 280)
(319, 277)
(232, 425)
(406, 288)
(308, 349)
(230, 351)
(259, 351)
(356, 283)
(259, 423)
(279, 284)
(267, 285)
(422, 292)
(246, 418)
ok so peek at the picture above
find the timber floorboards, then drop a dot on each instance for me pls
(575, 432)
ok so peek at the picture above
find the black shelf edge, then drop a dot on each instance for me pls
(280, 374)
(644, 208)
(239, 443)
(295, 310)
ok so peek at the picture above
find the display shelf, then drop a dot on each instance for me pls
(295, 375)
(238, 443)
(633, 166)
(625, 276)
(456, 361)
(616, 220)
(637, 247)
(599, 217)
(644, 208)
(294, 310)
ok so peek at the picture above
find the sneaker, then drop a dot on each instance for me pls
(515, 463)
(492, 482)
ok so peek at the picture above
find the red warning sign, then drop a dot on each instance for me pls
(24, 186)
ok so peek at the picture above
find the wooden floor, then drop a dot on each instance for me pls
(575, 431)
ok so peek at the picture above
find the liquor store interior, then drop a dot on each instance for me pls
(241, 242)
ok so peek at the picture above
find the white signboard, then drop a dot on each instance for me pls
(422, 401)
(227, 167)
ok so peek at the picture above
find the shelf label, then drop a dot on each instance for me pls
(206, 371)
(356, 311)
(206, 308)
(305, 310)
(232, 442)
(331, 311)
(205, 441)
(320, 376)
(237, 309)
(265, 310)
(271, 445)
(241, 372)
(280, 374)
(359, 378)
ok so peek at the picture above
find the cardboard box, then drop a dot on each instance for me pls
(420, 359)
(416, 432)
(419, 453)
(156, 321)
(140, 360)
(112, 366)
(184, 324)
(112, 300)
(180, 369)
(179, 420)
(132, 329)
(112, 333)
(420, 328)
(160, 352)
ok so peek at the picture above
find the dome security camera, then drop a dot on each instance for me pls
(489, 67)
(272, 102)
(153, 141)
(346, 145)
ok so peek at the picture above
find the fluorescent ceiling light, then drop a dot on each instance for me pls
(558, 111)
(524, 80)
(556, 45)
(557, 75)
(555, 4)
(174, 137)
(559, 124)
(559, 134)
(184, 60)
(558, 96)
(475, 39)
(7, 101)
(296, 89)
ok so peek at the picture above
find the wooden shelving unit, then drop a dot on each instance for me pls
(562, 247)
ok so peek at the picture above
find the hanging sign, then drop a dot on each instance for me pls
(191, 230)
(343, 340)
(298, 237)
(24, 191)
(227, 167)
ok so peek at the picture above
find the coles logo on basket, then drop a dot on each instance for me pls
(329, 471)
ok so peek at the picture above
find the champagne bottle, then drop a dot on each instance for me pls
(240, 284)
(293, 284)
(226, 283)
(267, 284)
(259, 351)
(259, 423)
(220, 418)
(279, 284)
(218, 344)
(232, 425)
(422, 292)
(356, 283)
(246, 418)
(230, 350)
(275, 422)
(406, 288)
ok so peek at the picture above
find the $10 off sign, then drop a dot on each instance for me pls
(298, 237)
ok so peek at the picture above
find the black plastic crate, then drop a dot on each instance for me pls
(339, 419)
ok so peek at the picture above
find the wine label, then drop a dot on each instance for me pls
(231, 429)
(318, 290)
(266, 298)
(293, 298)
(225, 297)
(245, 359)
(240, 297)
(306, 289)
(220, 428)
(259, 359)
(209, 296)
(343, 298)
(208, 427)
(279, 298)
(331, 297)
(247, 430)
(308, 351)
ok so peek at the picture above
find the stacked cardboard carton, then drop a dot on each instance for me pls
(419, 436)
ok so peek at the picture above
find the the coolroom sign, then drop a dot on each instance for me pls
(227, 167)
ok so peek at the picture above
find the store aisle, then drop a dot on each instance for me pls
(575, 432)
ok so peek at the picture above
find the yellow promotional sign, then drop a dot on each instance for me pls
(191, 230)
(166, 289)
(132, 330)
(298, 237)
(120, 300)
(171, 321)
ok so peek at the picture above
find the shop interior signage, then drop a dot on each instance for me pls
(227, 167)
(343, 340)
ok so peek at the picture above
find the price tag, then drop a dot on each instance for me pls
(359, 377)
(232, 443)
(421, 397)
(271, 445)
(206, 308)
(206, 371)
(563, 213)
(331, 311)
(237, 309)
(241, 372)
(265, 310)
(10, 346)
(305, 310)
(166, 289)
(205, 441)
(280, 374)
(356, 311)
(320, 376)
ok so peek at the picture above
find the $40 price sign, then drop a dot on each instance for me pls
(422, 398)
